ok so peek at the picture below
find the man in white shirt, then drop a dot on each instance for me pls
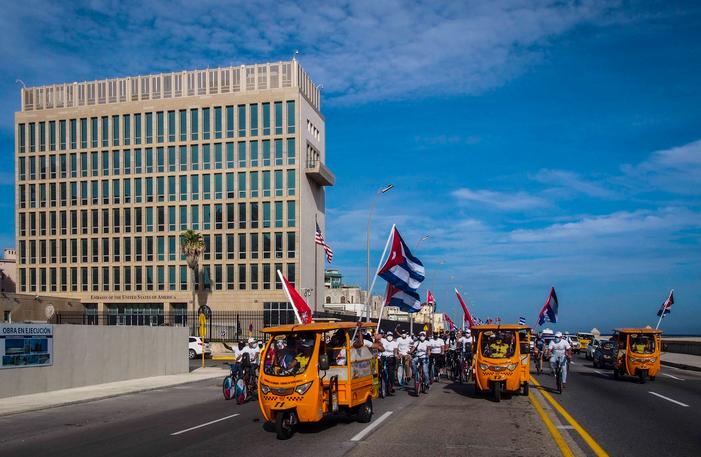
(252, 350)
(436, 360)
(560, 351)
(420, 350)
(404, 343)
(388, 356)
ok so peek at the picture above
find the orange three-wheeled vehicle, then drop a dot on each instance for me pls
(638, 352)
(502, 358)
(309, 371)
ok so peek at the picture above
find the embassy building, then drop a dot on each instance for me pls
(110, 172)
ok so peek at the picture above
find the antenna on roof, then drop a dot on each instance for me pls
(294, 56)
(24, 86)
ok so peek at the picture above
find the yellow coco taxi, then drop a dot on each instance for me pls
(310, 371)
(502, 359)
(638, 352)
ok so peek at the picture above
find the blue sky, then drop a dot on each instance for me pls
(538, 143)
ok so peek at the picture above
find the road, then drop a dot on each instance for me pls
(194, 419)
(627, 418)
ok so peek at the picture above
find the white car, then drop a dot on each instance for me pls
(595, 343)
(195, 348)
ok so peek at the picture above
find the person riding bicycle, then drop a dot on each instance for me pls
(403, 358)
(436, 357)
(419, 351)
(538, 349)
(388, 356)
(560, 350)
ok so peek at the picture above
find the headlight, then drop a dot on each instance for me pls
(484, 366)
(265, 389)
(511, 367)
(498, 367)
(303, 388)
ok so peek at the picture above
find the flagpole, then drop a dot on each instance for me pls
(316, 257)
(379, 319)
(374, 277)
(664, 307)
(289, 297)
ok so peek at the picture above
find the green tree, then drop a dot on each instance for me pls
(192, 246)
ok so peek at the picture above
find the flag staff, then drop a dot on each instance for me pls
(316, 258)
(289, 297)
(374, 277)
(664, 307)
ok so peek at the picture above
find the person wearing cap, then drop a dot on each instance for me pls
(560, 350)
(404, 343)
(437, 355)
(419, 351)
(252, 350)
(388, 355)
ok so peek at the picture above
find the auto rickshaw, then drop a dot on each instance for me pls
(638, 353)
(502, 359)
(585, 340)
(310, 371)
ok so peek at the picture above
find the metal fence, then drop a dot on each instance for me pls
(221, 326)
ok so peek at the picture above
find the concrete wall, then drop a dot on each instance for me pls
(86, 355)
(682, 347)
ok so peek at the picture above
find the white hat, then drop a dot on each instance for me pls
(389, 333)
(251, 340)
(558, 335)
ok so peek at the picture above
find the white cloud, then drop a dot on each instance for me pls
(505, 201)
(675, 170)
(573, 182)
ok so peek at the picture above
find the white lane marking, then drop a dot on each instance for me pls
(370, 427)
(672, 376)
(600, 373)
(204, 425)
(565, 427)
(669, 399)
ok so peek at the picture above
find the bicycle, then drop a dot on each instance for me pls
(559, 363)
(228, 386)
(465, 367)
(538, 361)
(420, 382)
(385, 381)
(402, 375)
(246, 384)
(454, 366)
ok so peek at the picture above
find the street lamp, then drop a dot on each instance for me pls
(379, 192)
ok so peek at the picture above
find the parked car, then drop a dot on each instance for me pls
(195, 348)
(591, 347)
(605, 355)
(574, 343)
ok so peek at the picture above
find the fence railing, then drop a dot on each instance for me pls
(221, 326)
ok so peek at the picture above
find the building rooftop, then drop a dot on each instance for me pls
(210, 81)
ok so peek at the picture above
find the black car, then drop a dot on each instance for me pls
(605, 354)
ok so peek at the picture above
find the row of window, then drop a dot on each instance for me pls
(196, 217)
(241, 246)
(162, 126)
(183, 158)
(138, 278)
(218, 186)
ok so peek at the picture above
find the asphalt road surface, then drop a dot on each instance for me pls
(657, 418)
(624, 417)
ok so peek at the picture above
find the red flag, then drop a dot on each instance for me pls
(468, 317)
(429, 298)
(302, 310)
(449, 321)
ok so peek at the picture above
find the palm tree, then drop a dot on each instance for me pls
(192, 246)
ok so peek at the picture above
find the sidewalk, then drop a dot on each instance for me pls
(683, 361)
(44, 400)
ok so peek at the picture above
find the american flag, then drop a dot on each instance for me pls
(319, 239)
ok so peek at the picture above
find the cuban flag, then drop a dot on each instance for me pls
(549, 311)
(429, 299)
(402, 269)
(667, 305)
(521, 320)
(449, 321)
(300, 307)
(409, 302)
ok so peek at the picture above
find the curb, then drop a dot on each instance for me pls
(681, 366)
(101, 397)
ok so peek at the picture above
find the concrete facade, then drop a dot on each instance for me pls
(86, 355)
(109, 173)
(8, 271)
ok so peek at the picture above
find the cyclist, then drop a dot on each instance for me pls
(436, 357)
(451, 358)
(560, 351)
(538, 349)
(420, 350)
(388, 356)
(403, 358)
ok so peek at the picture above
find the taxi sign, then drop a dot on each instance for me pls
(203, 328)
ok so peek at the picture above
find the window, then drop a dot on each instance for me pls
(206, 217)
(194, 157)
(171, 126)
(104, 131)
(266, 245)
(291, 248)
(183, 125)
(22, 138)
(171, 158)
(149, 160)
(194, 124)
(183, 218)
(149, 128)
(183, 158)
(290, 151)
(254, 277)
(218, 156)
(230, 185)
(115, 130)
(218, 217)
(266, 184)
(137, 160)
(172, 248)
(230, 224)
(127, 250)
(230, 277)
(195, 217)
(229, 121)
(115, 162)
(93, 132)
(242, 277)
(242, 120)
(266, 276)
(105, 163)
(83, 134)
(218, 248)
(194, 187)
(171, 188)
(230, 240)
(242, 154)
(290, 182)
(266, 153)
(266, 214)
(242, 215)
(127, 161)
(160, 128)
(279, 190)
(278, 245)
(62, 135)
(242, 246)
(171, 278)
(206, 125)
(254, 119)
(278, 118)
(266, 118)
(291, 116)
(254, 184)
(127, 129)
(137, 130)
(229, 155)
(291, 213)
(254, 153)
(206, 157)
(218, 194)
(183, 277)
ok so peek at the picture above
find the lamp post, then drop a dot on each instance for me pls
(379, 192)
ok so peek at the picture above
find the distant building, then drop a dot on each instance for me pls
(8, 271)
